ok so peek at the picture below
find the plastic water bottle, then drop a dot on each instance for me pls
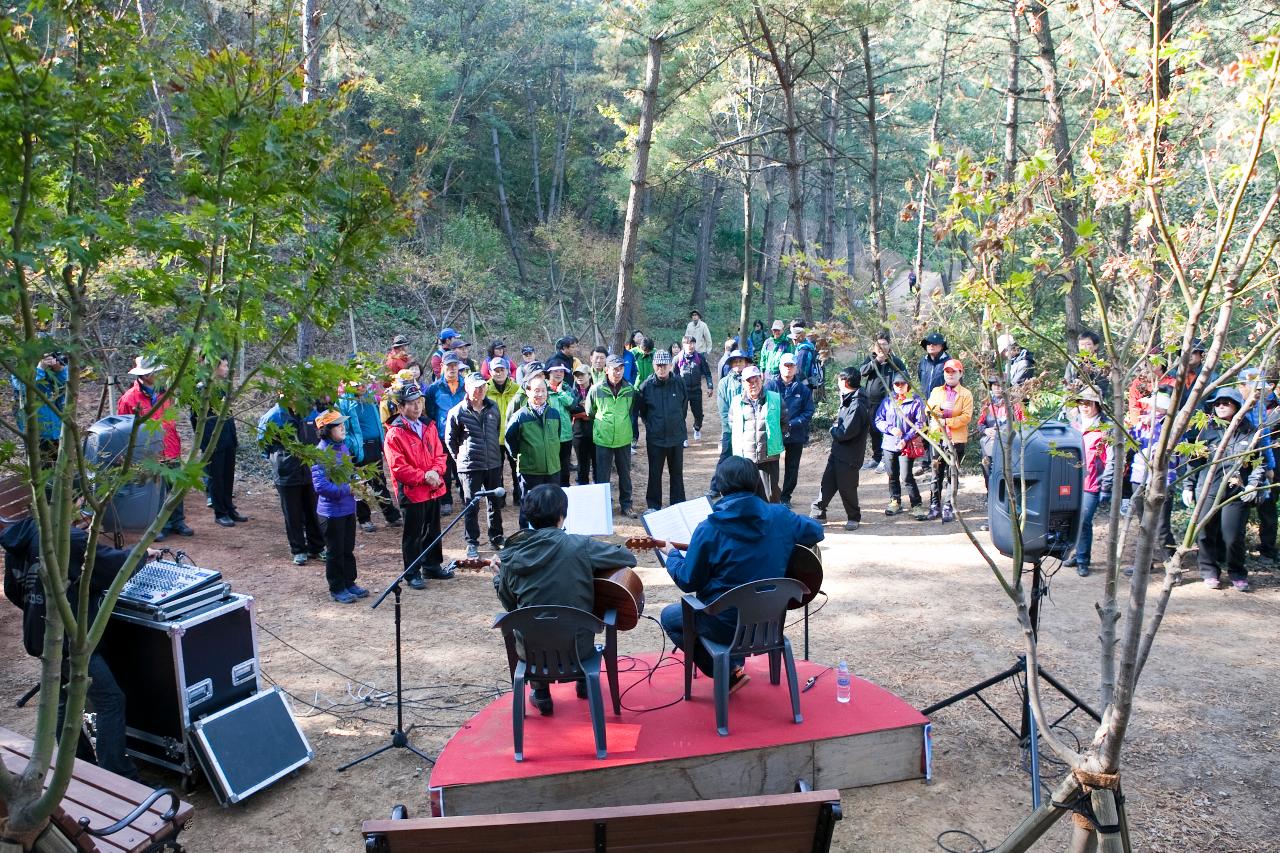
(842, 682)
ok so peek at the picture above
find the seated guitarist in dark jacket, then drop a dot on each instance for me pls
(744, 539)
(546, 565)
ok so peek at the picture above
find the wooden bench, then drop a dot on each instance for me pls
(15, 500)
(98, 800)
(801, 822)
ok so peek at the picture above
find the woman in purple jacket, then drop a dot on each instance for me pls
(336, 506)
(900, 418)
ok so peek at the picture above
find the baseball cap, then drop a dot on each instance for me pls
(787, 358)
(935, 338)
(475, 380)
(560, 365)
(447, 333)
(778, 325)
(739, 354)
(953, 364)
(328, 418)
(534, 367)
(527, 350)
(613, 361)
(459, 342)
(450, 358)
(750, 371)
(662, 357)
(900, 379)
(399, 341)
(408, 393)
(1004, 342)
(495, 363)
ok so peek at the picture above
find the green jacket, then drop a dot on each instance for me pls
(562, 400)
(742, 425)
(771, 354)
(610, 413)
(729, 387)
(644, 364)
(503, 398)
(534, 440)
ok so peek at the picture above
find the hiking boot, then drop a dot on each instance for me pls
(368, 527)
(851, 525)
(358, 591)
(235, 516)
(342, 596)
(225, 521)
(299, 559)
(868, 465)
(948, 514)
(540, 698)
(818, 513)
(1212, 583)
(1082, 571)
(473, 551)
(1241, 585)
(440, 573)
(917, 512)
(893, 507)
(880, 469)
(415, 581)
(498, 541)
(935, 513)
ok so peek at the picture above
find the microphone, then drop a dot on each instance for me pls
(499, 492)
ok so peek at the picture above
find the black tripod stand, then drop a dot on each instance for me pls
(400, 735)
(1026, 732)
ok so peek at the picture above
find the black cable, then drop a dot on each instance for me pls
(663, 660)
(825, 600)
(980, 847)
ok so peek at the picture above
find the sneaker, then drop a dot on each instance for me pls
(498, 541)
(738, 680)
(237, 517)
(446, 509)
(208, 502)
(1212, 583)
(541, 699)
(917, 512)
(1128, 571)
(440, 573)
(343, 596)
(473, 551)
(416, 582)
(851, 525)
(948, 514)
(1082, 571)
(358, 591)
(323, 555)
(581, 689)
(818, 513)
(868, 465)
(935, 513)
(299, 559)
(225, 521)
(182, 530)
(880, 469)
(686, 443)
(697, 435)
(893, 507)
(630, 512)
(368, 527)
(1125, 503)
(1241, 586)
(1071, 561)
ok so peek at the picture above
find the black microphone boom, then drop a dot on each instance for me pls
(498, 492)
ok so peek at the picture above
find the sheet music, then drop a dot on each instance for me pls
(676, 523)
(590, 510)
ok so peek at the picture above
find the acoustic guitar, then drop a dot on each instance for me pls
(618, 589)
(804, 565)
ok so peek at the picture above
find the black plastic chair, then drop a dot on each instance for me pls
(548, 635)
(762, 612)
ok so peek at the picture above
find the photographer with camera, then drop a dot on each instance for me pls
(51, 384)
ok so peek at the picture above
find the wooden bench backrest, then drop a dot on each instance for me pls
(101, 796)
(15, 499)
(783, 823)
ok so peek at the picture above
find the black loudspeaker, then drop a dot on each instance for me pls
(250, 745)
(173, 672)
(1048, 462)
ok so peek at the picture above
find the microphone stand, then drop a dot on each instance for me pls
(400, 735)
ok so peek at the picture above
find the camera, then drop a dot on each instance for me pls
(59, 356)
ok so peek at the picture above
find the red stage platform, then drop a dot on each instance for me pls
(673, 753)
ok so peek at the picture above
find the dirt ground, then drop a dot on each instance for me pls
(912, 608)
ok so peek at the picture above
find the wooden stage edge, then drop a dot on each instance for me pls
(851, 761)
(671, 753)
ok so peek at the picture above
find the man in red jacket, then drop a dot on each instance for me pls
(416, 459)
(140, 401)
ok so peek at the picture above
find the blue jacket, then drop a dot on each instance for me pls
(333, 500)
(909, 416)
(743, 540)
(52, 385)
(440, 400)
(798, 400)
(929, 372)
(364, 421)
(629, 367)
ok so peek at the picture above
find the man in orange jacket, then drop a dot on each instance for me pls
(416, 459)
(951, 409)
(140, 400)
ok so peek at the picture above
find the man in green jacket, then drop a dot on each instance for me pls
(611, 405)
(728, 389)
(755, 420)
(533, 440)
(770, 356)
(546, 565)
(560, 397)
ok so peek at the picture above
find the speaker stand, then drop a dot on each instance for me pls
(1028, 737)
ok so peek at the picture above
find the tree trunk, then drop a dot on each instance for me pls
(624, 303)
(765, 224)
(926, 183)
(772, 267)
(146, 23)
(744, 297)
(677, 226)
(563, 131)
(1012, 93)
(1056, 117)
(712, 195)
(829, 193)
(535, 158)
(785, 73)
(505, 208)
(873, 178)
(311, 22)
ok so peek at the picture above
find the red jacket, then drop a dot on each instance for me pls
(409, 458)
(137, 400)
(394, 364)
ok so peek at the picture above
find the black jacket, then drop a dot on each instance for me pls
(471, 437)
(877, 378)
(929, 372)
(226, 437)
(663, 405)
(1020, 368)
(850, 428)
(22, 586)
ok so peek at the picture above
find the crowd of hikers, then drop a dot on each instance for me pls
(405, 441)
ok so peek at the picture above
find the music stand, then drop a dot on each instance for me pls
(400, 735)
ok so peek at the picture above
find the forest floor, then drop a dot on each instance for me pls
(912, 608)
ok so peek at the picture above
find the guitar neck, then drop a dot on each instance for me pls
(641, 543)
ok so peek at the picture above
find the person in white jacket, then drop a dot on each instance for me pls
(699, 331)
